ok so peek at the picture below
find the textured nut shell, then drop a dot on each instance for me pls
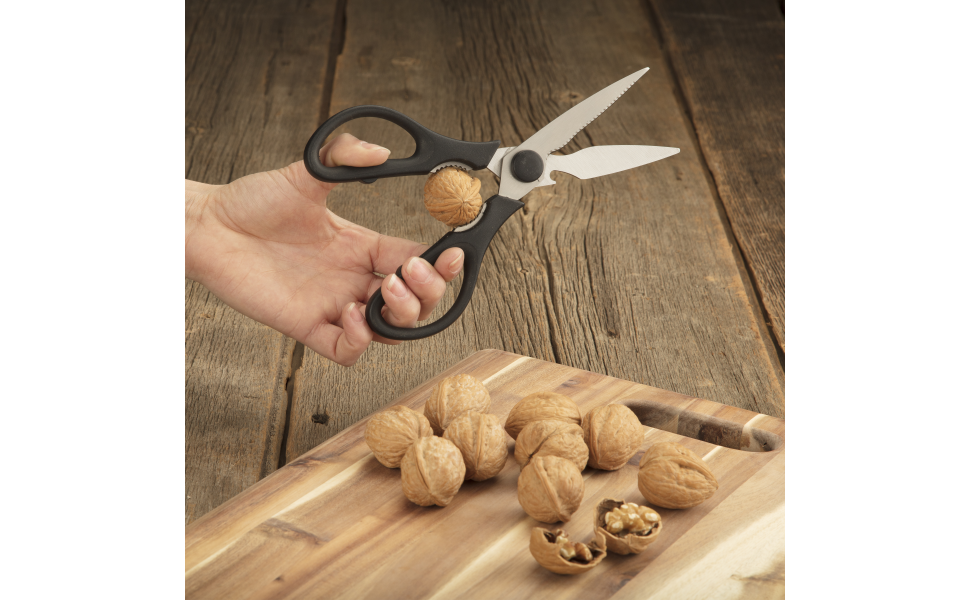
(550, 489)
(391, 432)
(432, 470)
(453, 397)
(613, 434)
(630, 543)
(481, 440)
(672, 476)
(546, 552)
(538, 406)
(453, 197)
(551, 438)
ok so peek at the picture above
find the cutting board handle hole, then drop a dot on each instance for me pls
(705, 428)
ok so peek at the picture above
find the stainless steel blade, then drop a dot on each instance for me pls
(563, 128)
(495, 165)
(603, 160)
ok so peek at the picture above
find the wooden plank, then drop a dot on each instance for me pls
(254, 85)
(729, 58)
(335, 523)
(630, 275)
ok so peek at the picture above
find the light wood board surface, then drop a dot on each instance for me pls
(335, 524)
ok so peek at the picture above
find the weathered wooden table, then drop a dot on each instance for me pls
(670, 275)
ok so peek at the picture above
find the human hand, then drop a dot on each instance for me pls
(267, 246)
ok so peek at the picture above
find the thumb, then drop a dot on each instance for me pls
(343, 150)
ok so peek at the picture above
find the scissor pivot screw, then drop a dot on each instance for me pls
(527, 166)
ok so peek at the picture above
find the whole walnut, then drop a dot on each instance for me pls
(391, 432)
(554, 551)
(453, 397)
(482, 443)
(453, 196)
(626, 527)
(672, 476)
(432, 470)
(613, 434)
(550, 488)
(549, 437)
(538, 406)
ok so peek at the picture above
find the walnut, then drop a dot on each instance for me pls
(453, 397)
(613, 434)
(626, 527)
(453, 197)
(432, 470)
(538, 406)
(549, 437)
(550, 489)
(554, 551)
(391, 432)
(672, 476)
(482, 443)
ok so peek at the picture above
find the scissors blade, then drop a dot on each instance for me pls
(563, 128)
(604, 160)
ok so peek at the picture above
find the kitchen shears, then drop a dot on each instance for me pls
(520, 169)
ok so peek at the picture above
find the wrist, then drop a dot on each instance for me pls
(196, 201)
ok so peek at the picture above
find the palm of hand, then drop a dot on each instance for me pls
(286, 258)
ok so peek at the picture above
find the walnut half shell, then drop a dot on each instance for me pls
(627, 537)
(554, 551)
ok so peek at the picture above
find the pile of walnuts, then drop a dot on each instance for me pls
(456, 439)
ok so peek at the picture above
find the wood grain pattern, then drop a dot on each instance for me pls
(253, 88)
(335, 523)
(729, 57)
(630, 275)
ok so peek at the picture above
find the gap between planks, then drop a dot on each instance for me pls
(741, 258)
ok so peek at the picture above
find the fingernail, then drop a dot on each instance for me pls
(355, 312)
(418, 270)
(394, 284)
(455, 265)
(370, 146)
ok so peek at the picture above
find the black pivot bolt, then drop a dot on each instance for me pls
(527, 166)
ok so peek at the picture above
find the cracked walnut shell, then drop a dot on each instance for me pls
(672, 476)
(613, 434)
(550, 489)
(538, 406)
(453, 196)
(391, 432)
(626, 527)
(554, 551)
(453, 397)
(481, 440)
(549, 437)
(432, 470)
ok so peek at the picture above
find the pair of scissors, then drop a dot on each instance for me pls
(520, 169)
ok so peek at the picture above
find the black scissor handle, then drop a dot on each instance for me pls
(473, 242)
(431, 149)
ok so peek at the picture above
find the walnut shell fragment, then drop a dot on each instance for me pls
(549, 437)
(613, 434)
(538, 406)
(550, 489)
(672, 476)
(554, 551)
(626, 527)
(432, 470)
(482, 442)
(453, 196)
(391, 432)
(453, 397)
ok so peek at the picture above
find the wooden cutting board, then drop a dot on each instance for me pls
(334, 523)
